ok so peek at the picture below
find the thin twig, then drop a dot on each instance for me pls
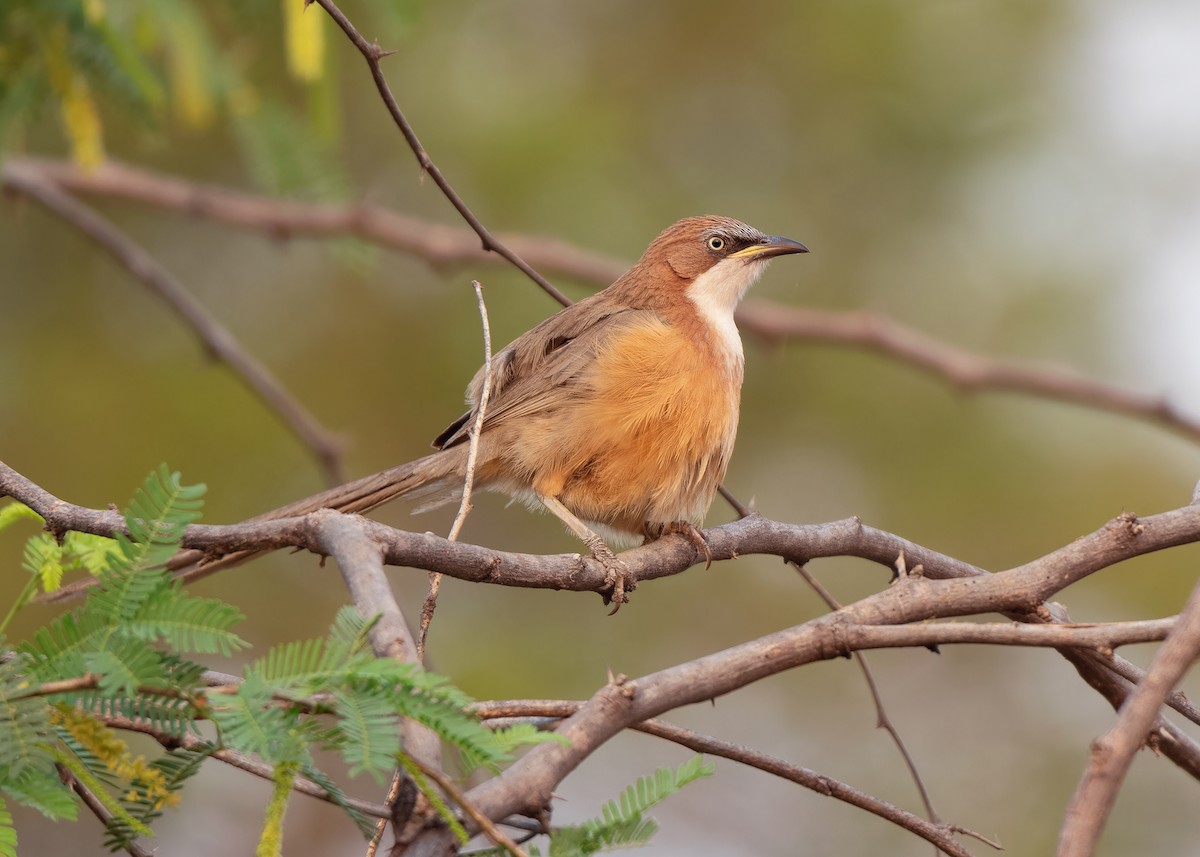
(98, 809)
(1112, 753)
(217, 339)
(233, 758)
(882, 720)
(473, 434)
(501, 712)
(381, 825)
(489, 828)
(372, 53)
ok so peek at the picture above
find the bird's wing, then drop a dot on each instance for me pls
(528, 375)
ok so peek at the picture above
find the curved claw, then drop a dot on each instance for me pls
(693, 534)
(617, 579)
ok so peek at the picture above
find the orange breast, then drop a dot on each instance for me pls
(648, 434)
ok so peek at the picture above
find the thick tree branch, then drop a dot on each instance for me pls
(945, 587)
(358, 556)
(965, 371)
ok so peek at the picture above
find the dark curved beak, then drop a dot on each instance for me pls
(772, 245)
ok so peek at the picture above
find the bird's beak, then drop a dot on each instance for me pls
(773, 245)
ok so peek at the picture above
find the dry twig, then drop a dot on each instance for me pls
(464, 507)
(1112, 753)
(218, 341)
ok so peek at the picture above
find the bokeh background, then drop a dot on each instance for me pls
(1018, 178)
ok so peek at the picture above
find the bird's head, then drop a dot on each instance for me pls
(712, 260)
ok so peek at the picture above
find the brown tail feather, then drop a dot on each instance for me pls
(434, 479)
(420, 479)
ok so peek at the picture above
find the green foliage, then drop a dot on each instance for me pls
(124, 656)
(8, 833)
(117, 655)
(177, 768)
(175, 65)
(10, 513)
(623, 822)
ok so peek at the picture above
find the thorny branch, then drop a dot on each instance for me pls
(898, 616)
(363, 545)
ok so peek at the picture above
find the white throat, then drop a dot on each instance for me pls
(716, 293)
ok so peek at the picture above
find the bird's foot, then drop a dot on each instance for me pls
(683, 528)
(617, 578)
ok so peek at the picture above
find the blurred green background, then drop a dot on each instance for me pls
(1013, 177)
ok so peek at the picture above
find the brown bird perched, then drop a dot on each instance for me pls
(617, 414)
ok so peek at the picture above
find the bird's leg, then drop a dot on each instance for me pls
(617, 576)
(684, 528)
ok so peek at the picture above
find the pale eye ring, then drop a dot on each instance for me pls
(716, 243)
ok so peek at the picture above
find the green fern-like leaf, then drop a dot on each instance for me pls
(93, 784)
(88, 552)
(44, 559)
(366, 826)
(250, 723)
(24, 726)
(125, 665)
(12, 512)
(188, 624)
(178, 767)
(41, 789)
(8, 833)
(622, 824)
(168, 714)
(648, 791)
(368, 735)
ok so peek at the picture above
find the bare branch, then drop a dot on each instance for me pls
(967, 372)
(217, 339)
(439, 245)
(882, 720)
(494, 833)
(1113, 752)
(936, 833)
(233, 758)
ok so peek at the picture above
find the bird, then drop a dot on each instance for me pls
(618, 414)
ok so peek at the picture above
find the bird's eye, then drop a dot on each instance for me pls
(716, 243)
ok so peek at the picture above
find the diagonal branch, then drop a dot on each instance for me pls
(218, 341)
(1112, 753)
(279, 218)
(554, 710)
(372, 53)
